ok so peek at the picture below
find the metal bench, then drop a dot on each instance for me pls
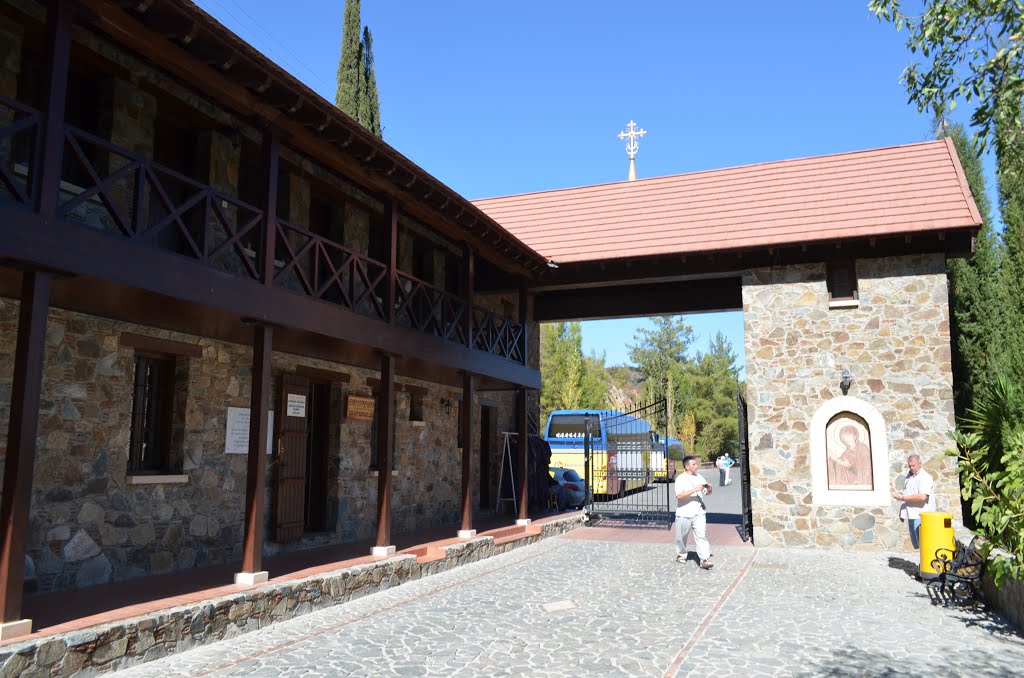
(960, 572)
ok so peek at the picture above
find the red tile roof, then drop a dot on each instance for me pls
(873, 193)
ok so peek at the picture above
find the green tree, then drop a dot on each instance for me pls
(659, 350)
(369, 103)
(357, 83)
(569, 380)
(973, 49)
(977, 298)
(1010, 175)
(710, 394)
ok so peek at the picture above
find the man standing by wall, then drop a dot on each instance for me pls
(918, 496)
(691, 513)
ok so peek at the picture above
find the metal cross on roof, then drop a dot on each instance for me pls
(632, 146)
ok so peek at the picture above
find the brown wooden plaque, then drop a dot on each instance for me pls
(359, 408)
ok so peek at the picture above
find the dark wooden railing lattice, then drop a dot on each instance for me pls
(20, 146)
(108, 188)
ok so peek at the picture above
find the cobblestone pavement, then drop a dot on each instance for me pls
(568, 607)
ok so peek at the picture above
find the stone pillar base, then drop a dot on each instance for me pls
(251, 578)
(466, 534)
(15, 629)
(523, 521)
(382, 551)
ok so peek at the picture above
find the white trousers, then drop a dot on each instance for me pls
(699, 525)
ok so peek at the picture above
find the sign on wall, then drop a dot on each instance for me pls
(296, 405)
(236, 437)
(359, 408)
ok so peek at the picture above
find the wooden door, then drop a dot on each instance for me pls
(290, 465)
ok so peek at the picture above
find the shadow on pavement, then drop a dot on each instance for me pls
(903, 564)
(856, 662)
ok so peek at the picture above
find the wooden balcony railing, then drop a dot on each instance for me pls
(113, 190)
(110, 189)
(498, 335)
(429, 309)
(320, 268)
(20, 147)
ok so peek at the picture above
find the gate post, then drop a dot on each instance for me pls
(586, 464)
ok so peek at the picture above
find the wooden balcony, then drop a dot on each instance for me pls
(127, 228)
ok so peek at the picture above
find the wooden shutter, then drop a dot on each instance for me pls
(290, 465)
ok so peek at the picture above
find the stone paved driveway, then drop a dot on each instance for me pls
(569, 607)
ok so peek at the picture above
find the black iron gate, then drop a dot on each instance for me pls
(627, 465)
(747, 528)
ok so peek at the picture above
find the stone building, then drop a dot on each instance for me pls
(234, 322)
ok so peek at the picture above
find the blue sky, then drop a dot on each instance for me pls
(501, 97)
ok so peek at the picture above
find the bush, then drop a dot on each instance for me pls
(990, 458)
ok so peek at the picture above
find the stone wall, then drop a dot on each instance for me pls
(89, 525)
(118, 645)
(895, 342)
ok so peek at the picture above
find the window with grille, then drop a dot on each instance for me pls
(152, 410)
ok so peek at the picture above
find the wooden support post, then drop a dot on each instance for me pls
(255, 473)
(466, 422)
(385, 450)
(21, 449)
(389, 314)
(470, 292)
(58, 37)
(524, 444)
(271, 169)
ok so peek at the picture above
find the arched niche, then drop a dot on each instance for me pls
(840, 430)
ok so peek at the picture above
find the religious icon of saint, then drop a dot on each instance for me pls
(849, 453)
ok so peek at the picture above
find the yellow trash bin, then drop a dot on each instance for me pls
(936, 533)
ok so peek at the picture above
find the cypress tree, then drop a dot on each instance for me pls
(977, 301)
(350, 65)
(369, 105)
(1010, 174)
(357, 84)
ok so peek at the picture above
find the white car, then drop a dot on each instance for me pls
(573, 485)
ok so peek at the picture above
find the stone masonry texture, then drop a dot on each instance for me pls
(90, 526)
(895, 343)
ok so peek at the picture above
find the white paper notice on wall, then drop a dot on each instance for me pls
(236, 437)
(296, 405)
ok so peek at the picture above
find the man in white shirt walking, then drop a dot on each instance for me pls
(918, 496)
(691, 513)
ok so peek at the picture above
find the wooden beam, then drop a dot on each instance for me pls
(385, 447)
(22, 429)
(255, 473)
(692, 296)
(142, 342)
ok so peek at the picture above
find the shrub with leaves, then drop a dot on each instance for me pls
(990, 456)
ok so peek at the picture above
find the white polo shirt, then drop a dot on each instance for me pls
(919, 483)
(691, 507)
